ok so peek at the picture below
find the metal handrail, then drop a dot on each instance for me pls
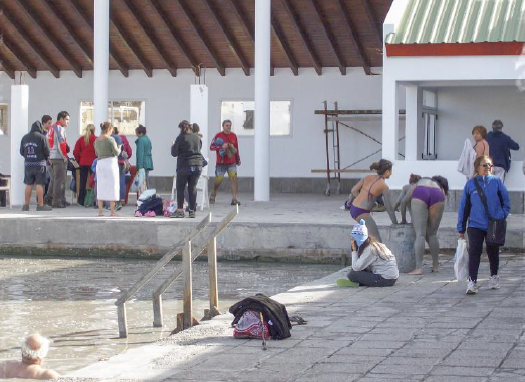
(210, 243)
(126, 295)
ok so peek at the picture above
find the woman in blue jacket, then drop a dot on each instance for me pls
(471, 209)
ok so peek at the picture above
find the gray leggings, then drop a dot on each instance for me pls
(369, 279)
(426, 223)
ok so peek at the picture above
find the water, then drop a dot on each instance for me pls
(71, 301)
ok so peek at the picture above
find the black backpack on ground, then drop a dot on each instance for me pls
(273, 312)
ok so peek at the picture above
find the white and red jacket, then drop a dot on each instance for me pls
(57, 134)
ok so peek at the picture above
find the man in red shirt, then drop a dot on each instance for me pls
(227, 147)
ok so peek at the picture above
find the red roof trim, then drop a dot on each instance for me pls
(458, 49)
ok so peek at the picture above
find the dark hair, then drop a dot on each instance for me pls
(226, 121)
(196, 128)
(369, 240)
(105, 126)
(414, 179)
(141, 130)
(480, 129)
(443, 182)
(62, 114)
(382, 166)
(46, 118)
(497, 125)
(185, 127)
(478, 160)
(115, 130)
(183, 123)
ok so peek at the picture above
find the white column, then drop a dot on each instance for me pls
(390, 123)
(101, 62)
(199, 115)
(414, 108)
(19, 127)
(262, 101)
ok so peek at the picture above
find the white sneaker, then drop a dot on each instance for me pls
(472, 287)
(494, 282)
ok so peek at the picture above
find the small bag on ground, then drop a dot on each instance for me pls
(249, 326)
(461, 261)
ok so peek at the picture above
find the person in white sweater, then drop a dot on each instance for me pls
(373, 264)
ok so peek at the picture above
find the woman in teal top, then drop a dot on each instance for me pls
(144, 158)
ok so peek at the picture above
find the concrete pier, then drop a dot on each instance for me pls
(424, 328)
(307, 228)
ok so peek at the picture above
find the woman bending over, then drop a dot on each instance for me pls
(367, 191)
(427, 203)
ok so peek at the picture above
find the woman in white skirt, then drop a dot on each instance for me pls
(107, 169)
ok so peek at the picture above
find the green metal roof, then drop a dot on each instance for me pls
(460, 21)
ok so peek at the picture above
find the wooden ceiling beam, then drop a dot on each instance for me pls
(183, 48)
(133, 47)
(285, 47)
(8, 69)
(329, 35)
(354, 37)
(20, 55)
(378, 27)
(234, 47)
(248, 30)
(202, 36)
(304, 36)
(148, 31)
(64, 21)
(34, 46)
(59, 45)
(89, 22)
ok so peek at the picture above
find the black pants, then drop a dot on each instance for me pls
(84, 173)
(475, 248)
(369, 279)
(190, 178)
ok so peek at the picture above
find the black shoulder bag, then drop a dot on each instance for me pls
(497, 228)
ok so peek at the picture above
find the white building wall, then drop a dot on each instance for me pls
(167, 102)
(460, 109)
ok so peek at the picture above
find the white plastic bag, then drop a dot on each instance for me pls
(461, 261)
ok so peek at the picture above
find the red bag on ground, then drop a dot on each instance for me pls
(249, 326)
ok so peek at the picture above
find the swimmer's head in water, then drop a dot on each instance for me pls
(383, 168)
(34, 348)
(359, 233)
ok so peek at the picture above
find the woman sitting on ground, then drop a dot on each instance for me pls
(373, 264)
(427, 203)
(367, 191)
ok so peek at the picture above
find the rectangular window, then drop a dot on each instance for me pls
(242, 114)
(124, 115)
(3, 118)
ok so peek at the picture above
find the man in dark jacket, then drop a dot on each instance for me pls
(35, 149)
(500, 145)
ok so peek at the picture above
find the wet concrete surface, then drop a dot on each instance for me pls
(72, 301)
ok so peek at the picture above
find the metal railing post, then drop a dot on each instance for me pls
(157, 312)
(122, 321)
(212, 275)
(186, 264)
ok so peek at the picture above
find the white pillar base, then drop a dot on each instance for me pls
(19, 127)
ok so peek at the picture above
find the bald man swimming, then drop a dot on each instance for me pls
(34, 350)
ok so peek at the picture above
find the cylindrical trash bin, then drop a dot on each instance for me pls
(401, 243)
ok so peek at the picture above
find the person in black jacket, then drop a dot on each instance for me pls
(500, 145)
(187, 150)
(35, 150)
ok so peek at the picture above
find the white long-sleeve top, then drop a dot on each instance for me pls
(384, 265)
(467, 159)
